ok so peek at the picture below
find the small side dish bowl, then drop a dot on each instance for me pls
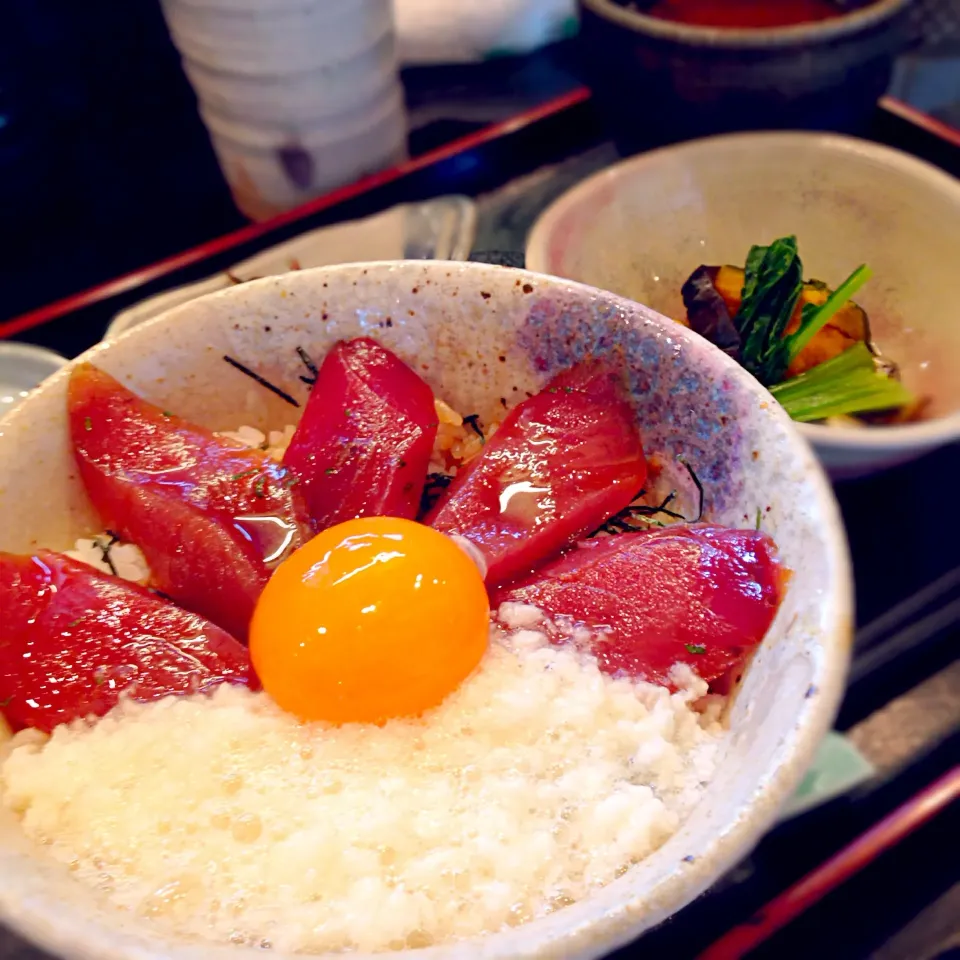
(477, 333)
(641, 227)
(22, 367)
(679, 80)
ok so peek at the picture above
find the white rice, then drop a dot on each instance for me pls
(537, 781)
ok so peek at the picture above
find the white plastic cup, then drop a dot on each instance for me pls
(299, 96)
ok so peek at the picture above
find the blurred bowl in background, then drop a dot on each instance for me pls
(639, 228)
(24, 366)
(658, 79)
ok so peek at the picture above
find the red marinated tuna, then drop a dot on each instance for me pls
(700, 595)
(73, 640)
(213, 518)
(363, 445)
(559, 465)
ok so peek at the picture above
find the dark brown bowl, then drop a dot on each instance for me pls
(658, 80)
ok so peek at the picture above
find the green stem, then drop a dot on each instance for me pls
(818, 319)
(848, 383)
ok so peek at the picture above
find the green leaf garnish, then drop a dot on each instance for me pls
(771, 290)
(815, 318)
(87, 423)
(245, 473)
(695, 648)
(845, 384)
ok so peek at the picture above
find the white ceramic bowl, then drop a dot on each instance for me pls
(22, 367)
(640, 227)
(478, 333)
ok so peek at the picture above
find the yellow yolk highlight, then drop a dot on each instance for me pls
(371, 619)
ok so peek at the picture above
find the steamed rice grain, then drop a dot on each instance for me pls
(536, 782)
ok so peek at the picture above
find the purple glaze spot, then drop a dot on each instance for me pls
(680, 401)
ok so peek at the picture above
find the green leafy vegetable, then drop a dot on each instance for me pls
(771, 291)
(848, 383)
(815, 318)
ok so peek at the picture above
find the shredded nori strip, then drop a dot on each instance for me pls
(625, 520)
(105, 551)
(432, 490)
(312, 370)
(310, 365)
(697, 484)
(282, 394)
(474, 423)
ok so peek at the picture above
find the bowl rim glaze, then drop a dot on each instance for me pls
(759, 38)
(926, 434)
(588, 928)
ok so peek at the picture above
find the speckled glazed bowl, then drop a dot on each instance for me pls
(642, 226)
(478, 334)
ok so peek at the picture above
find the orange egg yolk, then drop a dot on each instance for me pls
(374, 618)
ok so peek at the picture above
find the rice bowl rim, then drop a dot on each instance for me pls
(612, 916)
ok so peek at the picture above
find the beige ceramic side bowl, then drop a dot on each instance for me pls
(641, 227)
(478, 334)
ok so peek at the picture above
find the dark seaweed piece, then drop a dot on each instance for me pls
(625, 520)
(697, 484)
(707, 311)
(310, 365)
(104, 549)
(433, 489)
(282, 394)
(473, 421)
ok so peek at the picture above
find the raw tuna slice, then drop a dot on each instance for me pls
(700, 595)
(73, 640)
(561, 463)
(363, 445)
(212, 518)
